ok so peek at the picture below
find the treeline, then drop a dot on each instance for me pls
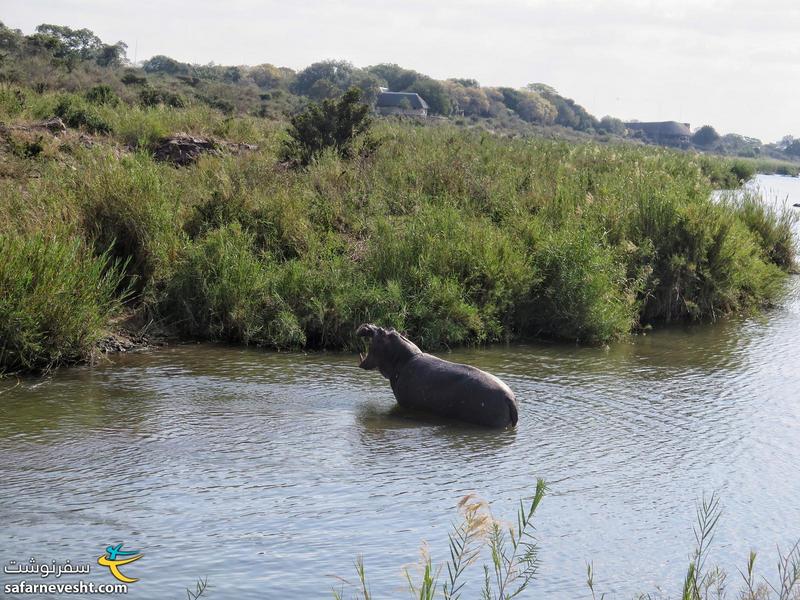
(57, 57)
(268, 90)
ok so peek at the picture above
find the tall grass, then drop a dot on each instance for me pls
(513, 556)
(511, 561)
(57, 299)
(773, 228)
(454, 236)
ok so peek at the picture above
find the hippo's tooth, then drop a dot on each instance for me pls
(361, 356)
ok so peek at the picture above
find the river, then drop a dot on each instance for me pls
(269, 473)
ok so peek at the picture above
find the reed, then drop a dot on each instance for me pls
(57, 300)
(454, 236)
(513, 561)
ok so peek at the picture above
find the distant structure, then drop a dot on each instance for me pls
(401, 103)
(664, 133)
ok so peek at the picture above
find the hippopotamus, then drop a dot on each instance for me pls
(424, 382)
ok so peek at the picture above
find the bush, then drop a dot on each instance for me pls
(460, 277)
(707, 264)
(774, 230)
(155, 97)
(128, 207)
(705, 136)
(220, 290)
(131, 78)
(333, 124)
(455, 237)
(102, 94)
(75, 113)
(727, 173)
(12, 101)
(57, 300)
(583, 295)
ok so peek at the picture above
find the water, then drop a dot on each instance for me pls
(269, 473)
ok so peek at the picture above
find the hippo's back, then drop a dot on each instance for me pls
(456, 391)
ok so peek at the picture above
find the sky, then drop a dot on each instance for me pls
(733, 64)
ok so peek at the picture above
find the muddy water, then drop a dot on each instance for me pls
(269, 473)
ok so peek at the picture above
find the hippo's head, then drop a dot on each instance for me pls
(387, 351)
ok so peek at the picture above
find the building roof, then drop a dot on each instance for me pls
(671, 128)
(388, 99)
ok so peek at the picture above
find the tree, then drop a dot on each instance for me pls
(611, 125)
(65, 42)
(322, 89)
(534, 108)
(543, 89)
(268, 76)
(164, 64)
(369, 84)
(530, 106)
(231, 74)
(434, 94)
(11, 40)
(472, 101)
(337, 72)
(332, 124)
(396, 77)
(793, 149)
(570, 113)
(112, 55)
(705, 136)
(467, 83)
(785, 142)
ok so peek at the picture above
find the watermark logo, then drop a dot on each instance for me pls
(44, 570)
(115, 557)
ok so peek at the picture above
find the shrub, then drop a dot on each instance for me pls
(461, 277)
(128, 207)
(57, 300)
(25, 145)
(131, 78)
(705, 136)
(154, 97)
(774, 229)
(76, 113)
(220, 291)
(726, 173)
(12, 101)
(707, 264)
(102, 94)
(584, 294)
(333, 124)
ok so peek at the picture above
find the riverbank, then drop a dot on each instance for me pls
(455, 236)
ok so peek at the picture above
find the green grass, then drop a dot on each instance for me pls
(454, 236)
(57, 300)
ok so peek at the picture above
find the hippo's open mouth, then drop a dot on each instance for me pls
(365, 331)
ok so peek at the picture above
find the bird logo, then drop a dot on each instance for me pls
(112, 560)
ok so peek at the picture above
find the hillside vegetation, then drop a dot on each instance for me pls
(56, 57)
(456, 236)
